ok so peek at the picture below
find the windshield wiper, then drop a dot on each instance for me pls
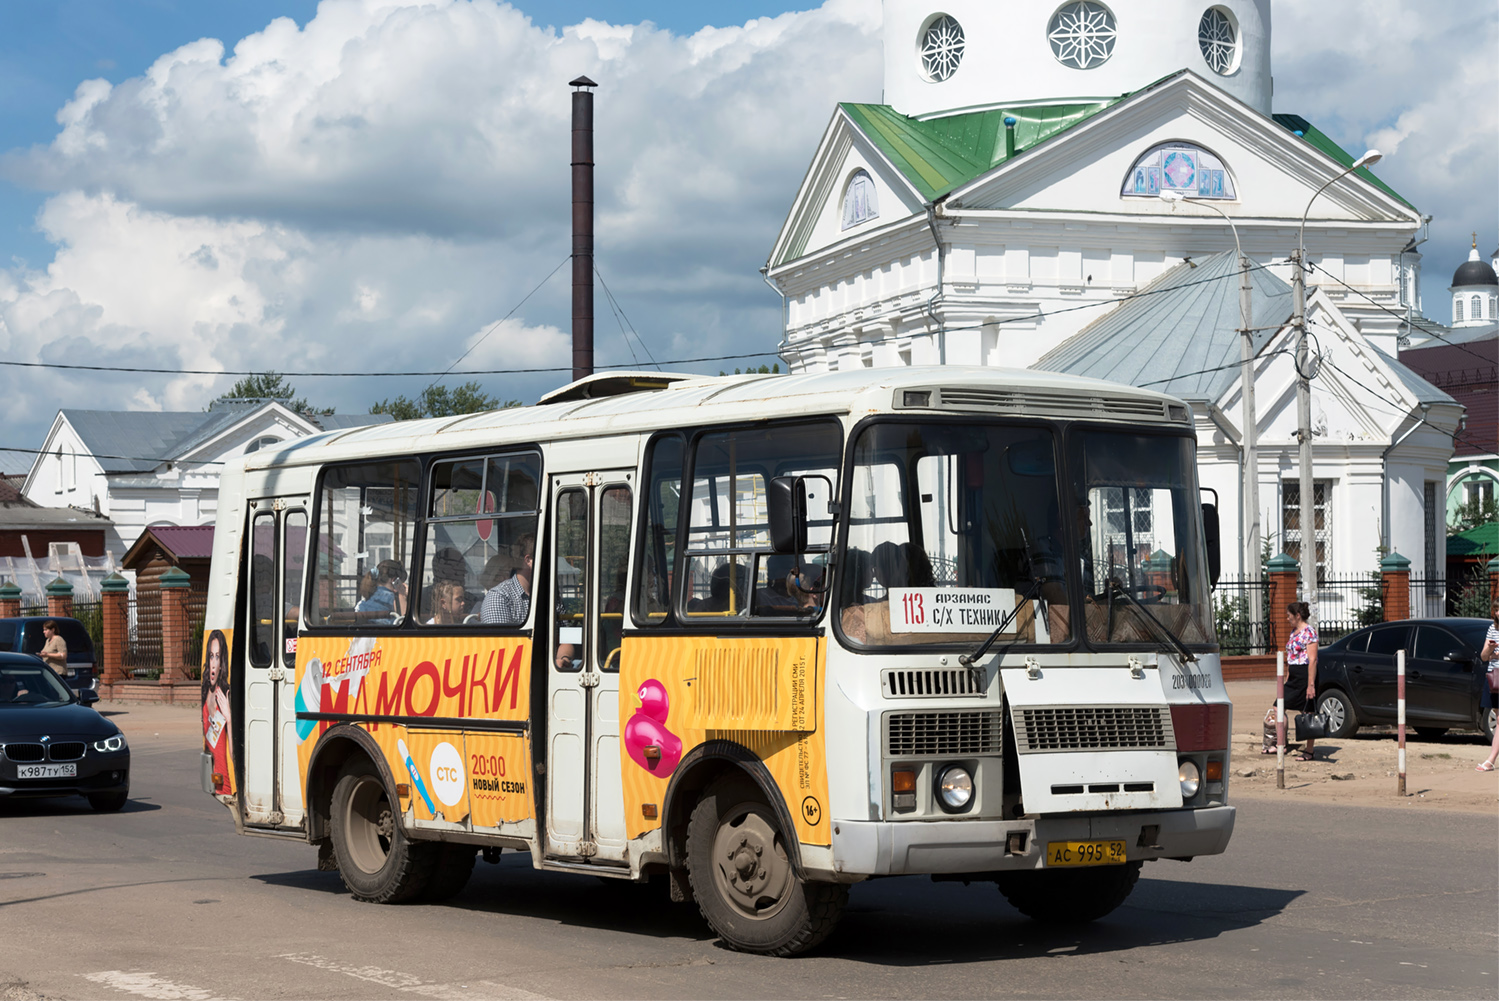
(968, 660)
(1160, 627)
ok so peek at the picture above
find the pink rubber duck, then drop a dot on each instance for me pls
(647, 740)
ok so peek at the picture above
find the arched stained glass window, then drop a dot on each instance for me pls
(859, 202)
(1179, 166)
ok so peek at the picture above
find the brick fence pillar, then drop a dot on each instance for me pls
(1395, 587)
(10, 601)
(60, 599)
(1282, 572)
(174, 625)
(114, 599)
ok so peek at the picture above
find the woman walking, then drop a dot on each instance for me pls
(1490, 654)
(1301, 675)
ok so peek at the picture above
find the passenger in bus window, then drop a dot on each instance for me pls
(448, 603)
(804, 586)
(387, 605)
(509, 602)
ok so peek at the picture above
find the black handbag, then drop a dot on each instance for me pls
(1310, 726)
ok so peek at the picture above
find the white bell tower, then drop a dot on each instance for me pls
(958, 55)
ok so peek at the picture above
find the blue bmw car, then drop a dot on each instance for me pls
(53, 743)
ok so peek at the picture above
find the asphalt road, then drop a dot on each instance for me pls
(164, 900)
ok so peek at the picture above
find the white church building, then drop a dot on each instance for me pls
(1004, 207)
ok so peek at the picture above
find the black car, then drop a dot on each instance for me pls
(1444, 679)
(52, 743)
(24, 635)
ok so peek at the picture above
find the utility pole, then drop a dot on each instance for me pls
(1307, 512)
(582, 165)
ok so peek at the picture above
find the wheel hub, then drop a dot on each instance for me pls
(751, 867)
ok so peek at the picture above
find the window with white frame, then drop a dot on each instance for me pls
(1457, 309)
(1082, 35)
(859, 202)
(942, 46)
(1477, 303)
(1218, 38)
(1291, 524)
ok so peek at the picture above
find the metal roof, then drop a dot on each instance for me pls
(1320, 139)
(689, 403)
(1185, 322)
(1423, 391)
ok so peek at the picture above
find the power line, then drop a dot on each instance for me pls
(495, 325)
(1208, 371)
(1399, 316)
(125, 458)
(619, 311)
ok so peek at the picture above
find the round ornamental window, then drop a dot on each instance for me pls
(1218, 38)
(1082, 35)
(941, 48)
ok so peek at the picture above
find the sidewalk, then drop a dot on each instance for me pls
(1359, 770)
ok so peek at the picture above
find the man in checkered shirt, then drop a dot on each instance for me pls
(509, 601)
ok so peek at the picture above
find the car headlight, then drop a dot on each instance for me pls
(1187, 775)
(955, 788)
(115, 743)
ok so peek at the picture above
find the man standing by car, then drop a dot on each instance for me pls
(55, 651)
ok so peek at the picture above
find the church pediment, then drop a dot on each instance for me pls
(1267, 172)
(835, 205)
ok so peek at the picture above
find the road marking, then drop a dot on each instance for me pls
(408, 983)
(149, 985)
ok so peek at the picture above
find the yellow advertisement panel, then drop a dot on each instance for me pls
(391, 686)
(676, 692)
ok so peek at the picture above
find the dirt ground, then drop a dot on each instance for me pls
(1359, 771)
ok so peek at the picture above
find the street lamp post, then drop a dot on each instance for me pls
(1307, 509)
(1249, 475)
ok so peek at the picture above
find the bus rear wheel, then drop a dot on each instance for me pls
(1069, 896)
(743, 880)
(377, 862)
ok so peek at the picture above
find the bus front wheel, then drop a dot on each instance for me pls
(742, 877)
(1069, 896)
(378, 864)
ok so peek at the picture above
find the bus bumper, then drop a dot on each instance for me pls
(873, 848)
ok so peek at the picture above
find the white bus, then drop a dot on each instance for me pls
(767, 635)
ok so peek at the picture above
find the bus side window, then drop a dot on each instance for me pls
(366, 526)
(615, 515)
(658, 541)
(294, 551)
(262, 588)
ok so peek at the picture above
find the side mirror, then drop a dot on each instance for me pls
(1213, 541)
(87, 696)
(786, 505)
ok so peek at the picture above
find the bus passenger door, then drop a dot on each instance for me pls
(587, 566)
(278, 541)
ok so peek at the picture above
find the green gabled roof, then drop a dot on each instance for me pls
(942, 154)
(1480, 541)
(1319, 139)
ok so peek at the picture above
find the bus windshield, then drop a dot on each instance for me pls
(952, 530)
(1138, 515)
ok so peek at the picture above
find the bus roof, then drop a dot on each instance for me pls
(695, 401)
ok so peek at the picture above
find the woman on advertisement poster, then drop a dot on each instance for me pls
(216, 706)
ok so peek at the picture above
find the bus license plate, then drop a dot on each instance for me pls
(46, 771)
(1066, 853)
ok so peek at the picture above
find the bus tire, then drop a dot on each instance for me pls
(455, 863)
(378, 863)
(743, 879)
(1069, 896)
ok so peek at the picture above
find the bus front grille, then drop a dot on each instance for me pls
(1093, 728)
(922, 683)
(944, 734)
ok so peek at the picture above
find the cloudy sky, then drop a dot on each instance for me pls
(364, 184)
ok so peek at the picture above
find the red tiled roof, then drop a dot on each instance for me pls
(185, 542)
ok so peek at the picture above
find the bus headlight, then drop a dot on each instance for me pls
(955, 788)
(1187, 775)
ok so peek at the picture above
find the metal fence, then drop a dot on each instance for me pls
(142, 658)
(1343, 605)
(1240, 631)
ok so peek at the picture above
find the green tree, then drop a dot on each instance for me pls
(1478, 511)
(271, 386)
(762, 370)
(441, 401)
